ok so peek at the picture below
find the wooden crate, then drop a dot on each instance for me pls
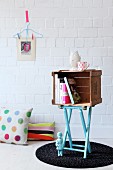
(88, 84)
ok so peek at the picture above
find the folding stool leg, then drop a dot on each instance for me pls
(84, 128)
(87, 131)
(67, 129)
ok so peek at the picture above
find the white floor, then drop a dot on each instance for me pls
(14, 157)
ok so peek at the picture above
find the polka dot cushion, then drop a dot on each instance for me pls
(14, 125)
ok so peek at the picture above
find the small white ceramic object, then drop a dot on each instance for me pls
(74, 59)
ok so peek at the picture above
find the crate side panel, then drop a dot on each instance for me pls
(96, 90)
(96, 73)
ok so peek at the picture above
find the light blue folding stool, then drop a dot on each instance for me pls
(86, 128)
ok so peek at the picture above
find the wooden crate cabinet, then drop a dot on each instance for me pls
(88, 85)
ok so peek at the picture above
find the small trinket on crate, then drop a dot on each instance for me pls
(59, 144)
(73, 88)
(74, 59)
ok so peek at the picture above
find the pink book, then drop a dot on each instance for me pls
(65, 95)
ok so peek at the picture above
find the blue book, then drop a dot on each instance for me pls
(69, 90)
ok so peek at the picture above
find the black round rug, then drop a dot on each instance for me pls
(101, 155)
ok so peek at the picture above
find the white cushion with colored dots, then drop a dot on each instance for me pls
(14, 125)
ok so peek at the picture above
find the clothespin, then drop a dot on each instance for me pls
(32, 36)
(18, 35)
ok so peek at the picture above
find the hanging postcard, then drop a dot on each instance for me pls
(26, 49)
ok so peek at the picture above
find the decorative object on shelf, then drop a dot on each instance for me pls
(73, 88)
(82, 65)
(74, 59)
(59, 144)
(26, 46)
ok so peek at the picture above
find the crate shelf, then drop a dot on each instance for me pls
(88, 84)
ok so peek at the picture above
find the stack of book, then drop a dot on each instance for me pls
(65, 91)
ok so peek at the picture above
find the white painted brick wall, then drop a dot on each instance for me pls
(60, 42)
(59, 23)
(83, 23)
(78, 12)
(77, 3)
(68, 32)
(97, 3)
(67, 25)
(87, 32)
(98, 12)
(97, 22)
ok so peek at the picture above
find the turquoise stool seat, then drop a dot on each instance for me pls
(86, 128)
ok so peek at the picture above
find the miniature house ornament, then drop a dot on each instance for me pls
(74, 59)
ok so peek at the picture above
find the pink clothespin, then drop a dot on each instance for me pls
(32, 36)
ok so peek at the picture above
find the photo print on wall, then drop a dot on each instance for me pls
(26, 49)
